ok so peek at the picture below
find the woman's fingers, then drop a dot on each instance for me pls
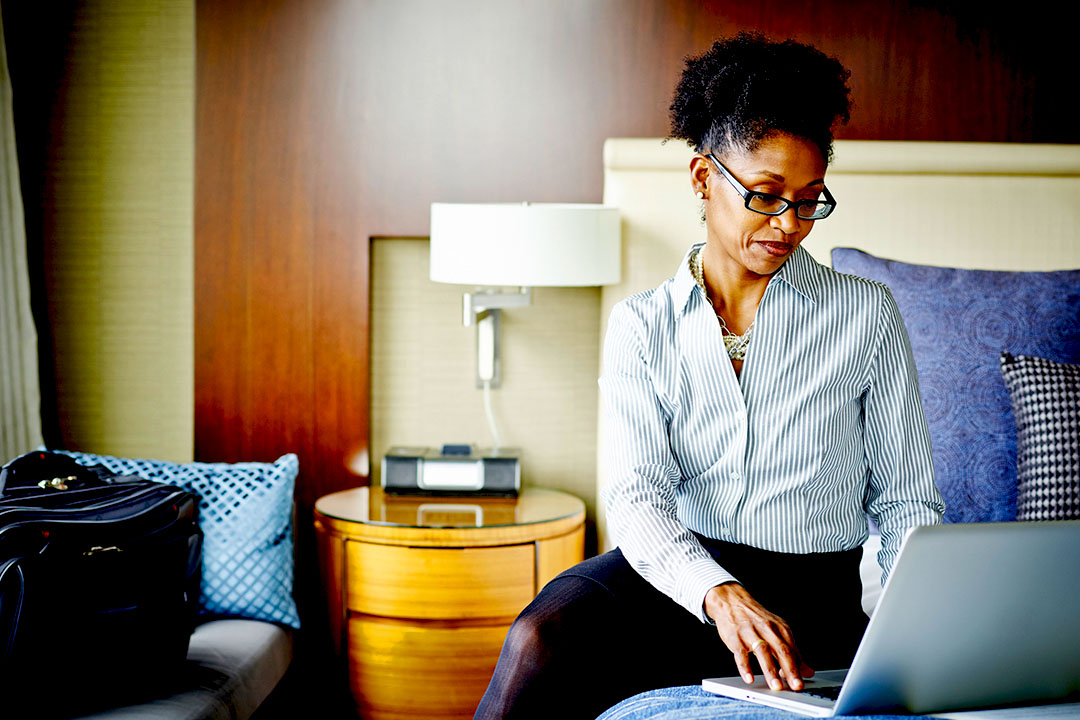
(742, 661)
(804, 670)
(787, 656)
(768, 667)
(749, 629)
(775, 659)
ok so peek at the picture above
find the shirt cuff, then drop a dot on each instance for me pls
(695, 582)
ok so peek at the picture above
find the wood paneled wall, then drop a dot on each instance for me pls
(323, 123)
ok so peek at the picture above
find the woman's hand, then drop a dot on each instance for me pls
(748, 628)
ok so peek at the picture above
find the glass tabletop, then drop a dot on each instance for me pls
(372, 506)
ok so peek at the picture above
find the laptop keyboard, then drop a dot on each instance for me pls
(829, 692)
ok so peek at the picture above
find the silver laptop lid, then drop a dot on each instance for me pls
(973, 615)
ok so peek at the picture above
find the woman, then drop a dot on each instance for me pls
(759, 407)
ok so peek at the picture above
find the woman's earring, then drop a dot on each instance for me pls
(700, 195)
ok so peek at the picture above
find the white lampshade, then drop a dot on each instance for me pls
(525, 244)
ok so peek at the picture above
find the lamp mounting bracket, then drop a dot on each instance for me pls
(482, 308)
(476, 303)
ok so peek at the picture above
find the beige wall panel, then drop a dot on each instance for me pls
(120, 279)
(423, 372)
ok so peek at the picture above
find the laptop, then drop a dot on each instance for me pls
(973, 615)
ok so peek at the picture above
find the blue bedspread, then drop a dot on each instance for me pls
(693, 703)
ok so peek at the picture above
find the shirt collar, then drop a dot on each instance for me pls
(797, 272)
(685, 284)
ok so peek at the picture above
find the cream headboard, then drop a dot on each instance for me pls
(972, 205)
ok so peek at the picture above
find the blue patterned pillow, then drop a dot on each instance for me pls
(245, 512)
(959, 322)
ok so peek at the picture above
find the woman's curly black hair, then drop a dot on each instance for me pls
(747, 88)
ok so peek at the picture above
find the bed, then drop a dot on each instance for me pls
(972, 239)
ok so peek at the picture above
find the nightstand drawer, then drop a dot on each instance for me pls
(439, 583)
(421, 670)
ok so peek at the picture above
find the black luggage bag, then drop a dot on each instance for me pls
(99, 580)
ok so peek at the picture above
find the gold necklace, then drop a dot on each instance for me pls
(736, 345)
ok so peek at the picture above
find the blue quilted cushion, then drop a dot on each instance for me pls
(245, 511)
(959, 322)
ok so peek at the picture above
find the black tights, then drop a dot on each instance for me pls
(599, 633)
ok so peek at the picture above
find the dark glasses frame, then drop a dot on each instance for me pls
(825, 208)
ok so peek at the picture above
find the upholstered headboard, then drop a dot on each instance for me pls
(968, 205)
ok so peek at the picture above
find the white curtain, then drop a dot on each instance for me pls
(20, 400)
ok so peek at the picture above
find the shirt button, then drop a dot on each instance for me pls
(734, 475)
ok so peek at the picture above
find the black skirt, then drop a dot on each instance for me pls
(603, 633)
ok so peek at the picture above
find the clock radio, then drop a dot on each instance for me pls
(452, 469)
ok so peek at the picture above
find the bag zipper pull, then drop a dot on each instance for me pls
(57, 483)
(99, 549)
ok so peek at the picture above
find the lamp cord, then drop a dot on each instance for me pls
(491, 415)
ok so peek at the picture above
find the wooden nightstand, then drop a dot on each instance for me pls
(422, 590)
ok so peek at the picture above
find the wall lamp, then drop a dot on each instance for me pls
(493, 246)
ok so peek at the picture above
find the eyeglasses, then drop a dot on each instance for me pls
(767, 204)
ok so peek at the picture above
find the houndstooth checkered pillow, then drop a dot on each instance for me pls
(1046, 404)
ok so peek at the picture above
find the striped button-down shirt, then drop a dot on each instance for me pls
(822, 427)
